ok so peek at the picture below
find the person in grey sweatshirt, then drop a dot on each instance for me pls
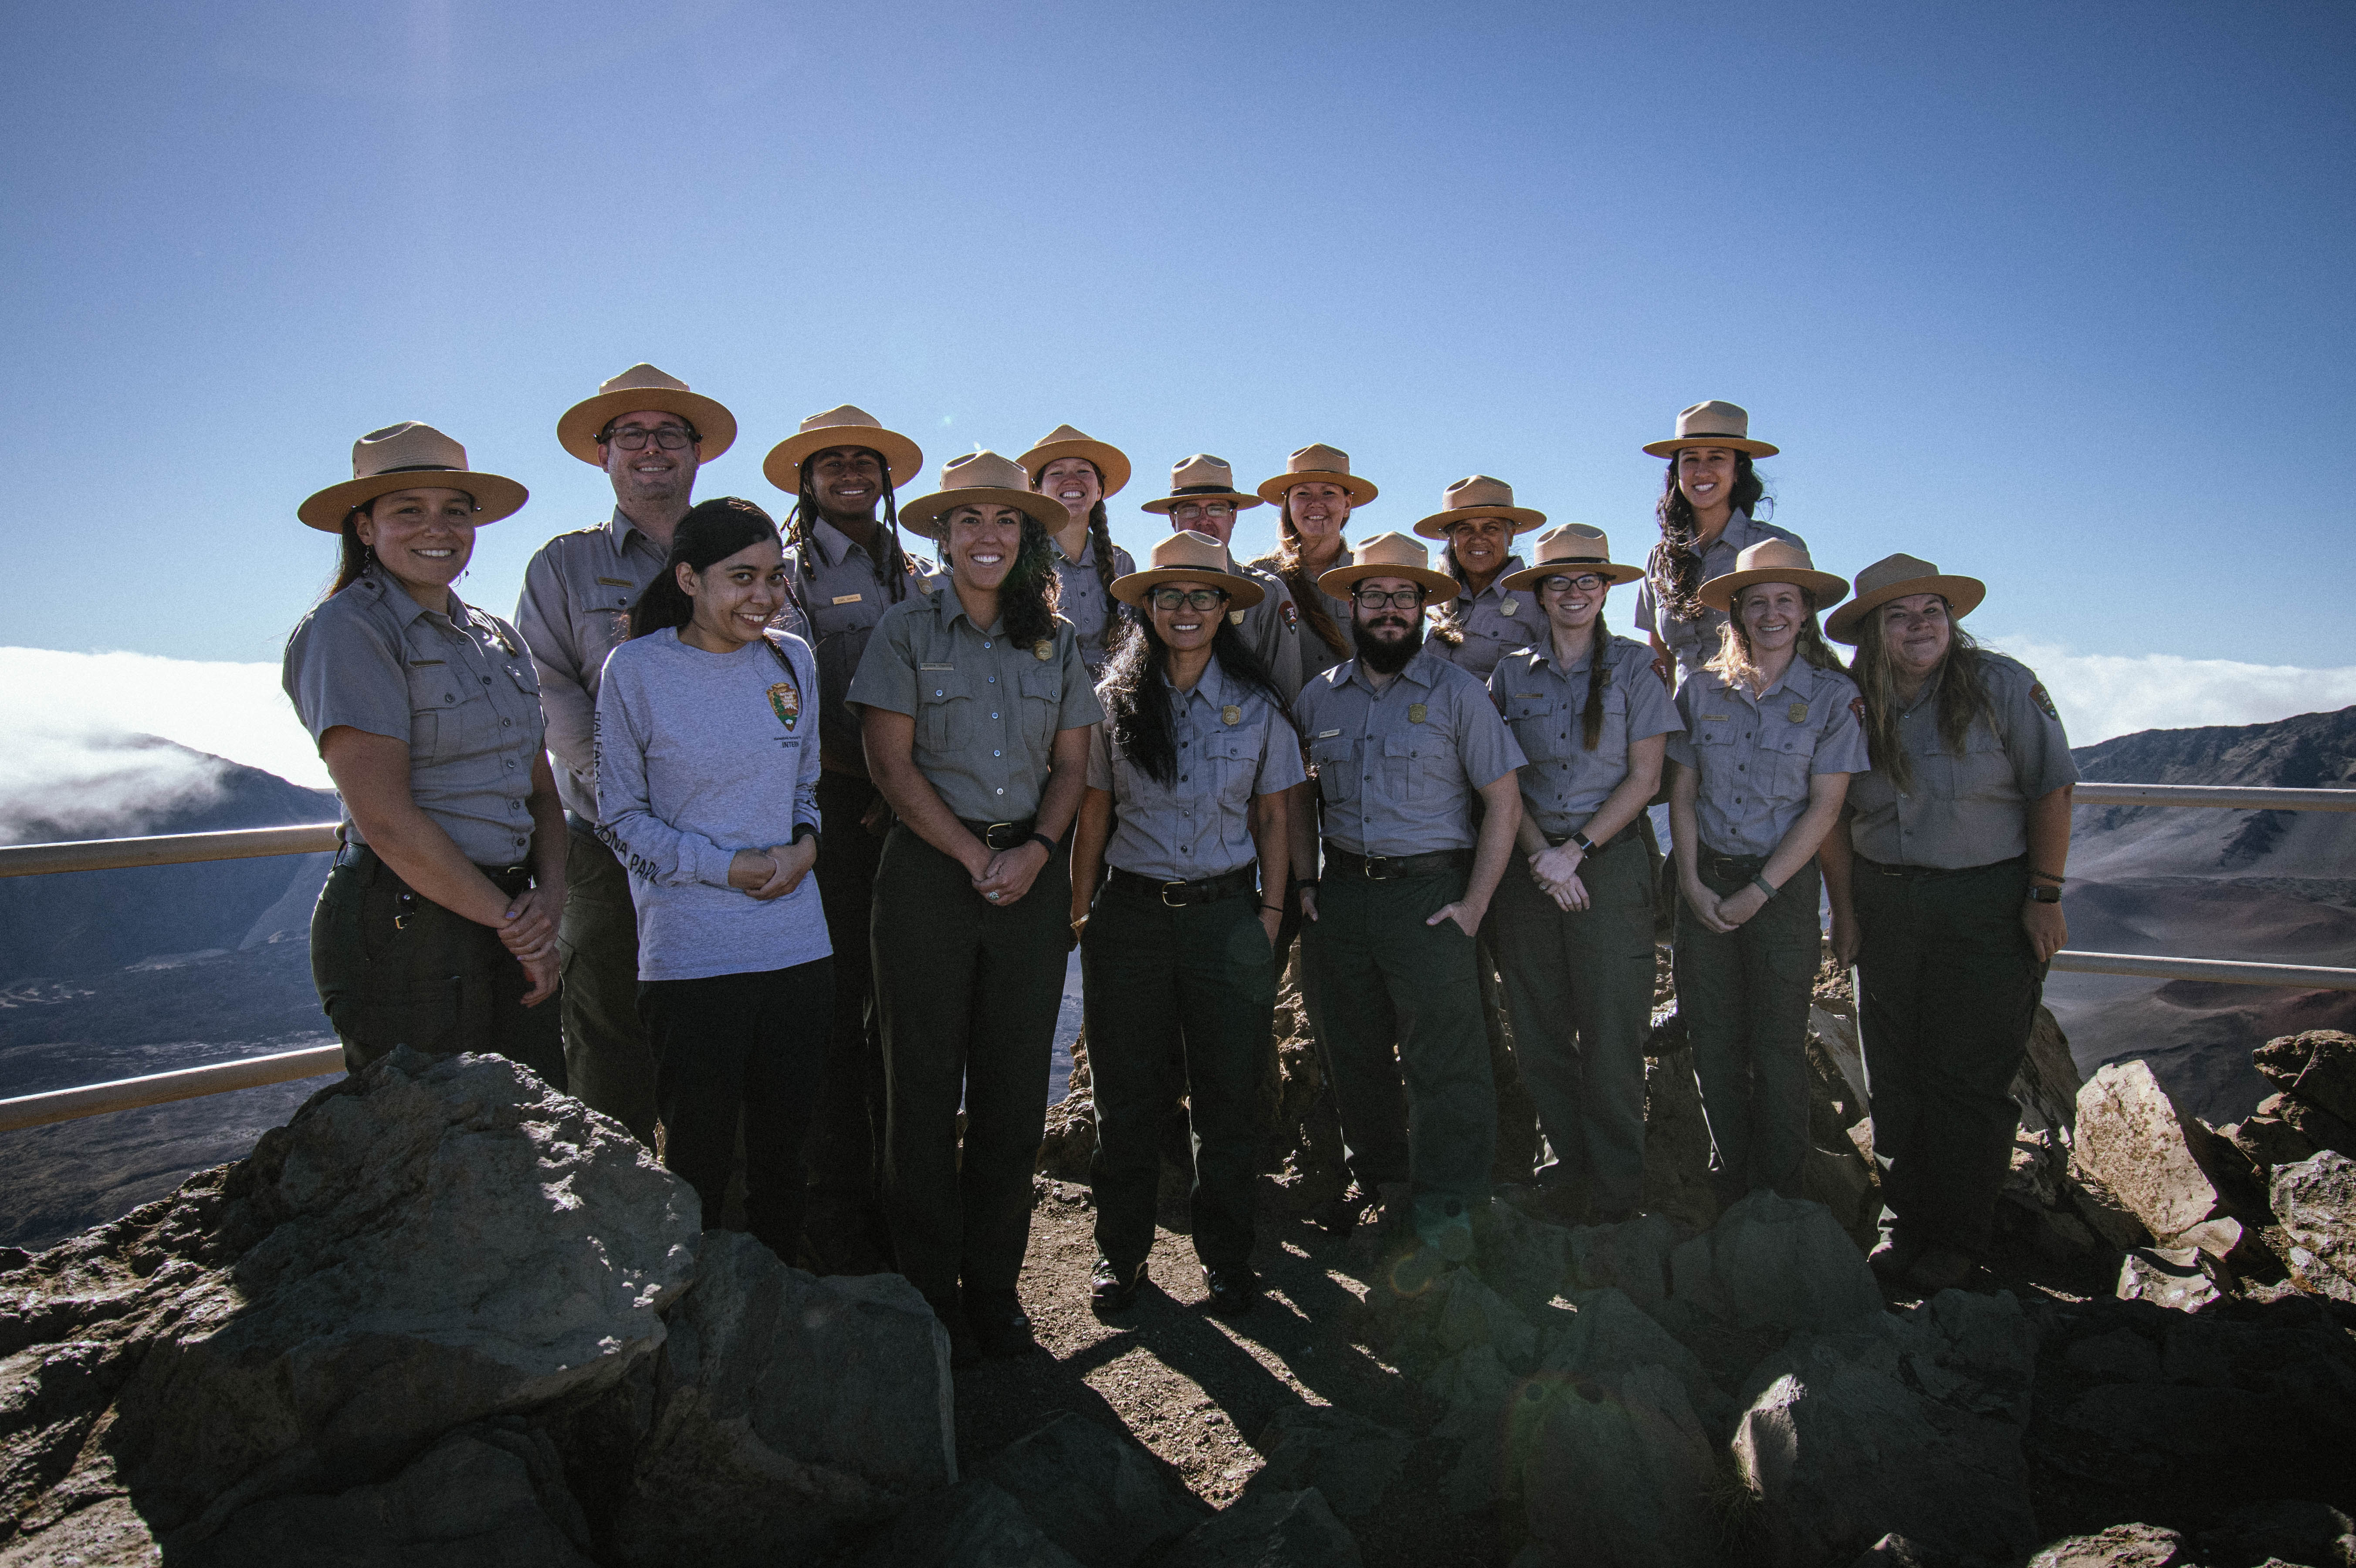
(707, 761)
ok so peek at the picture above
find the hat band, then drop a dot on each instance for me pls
(1576, 560)
(1711, 435)
(1201, 490)
(417, 468)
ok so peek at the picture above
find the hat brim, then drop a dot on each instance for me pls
(1529, 577)
(903, 458)
(1111, 462)
(1739, 443)
(716, 427)
(1337, 583)
(1718, 591)
(1436, 525)
(1242, 591)
(923, 515)
(495, 495)
(1165, 505)
(1361, 490)
(1963, 595)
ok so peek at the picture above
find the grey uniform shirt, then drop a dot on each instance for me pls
(1083, 601)
(1316, 655)
(1398, 771)
(460, 690)
(1753, 759)
(1970, 809)
(1563, 782)
(987, 711)
(1491, 624)
(1271, 627)
(1233, 744)
(842, 593)
(1695, 642)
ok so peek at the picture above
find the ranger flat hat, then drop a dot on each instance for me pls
(1188, 555)
(1895, 577)
(1318, 461)
(1773, 560)
(1478, 497)
(409, 456)
(1201, 477)
(975, 478)
(844, 426)
(1391, 555)
(1571, 545)
(1712, 423)
(644, 387)
(1063, 441)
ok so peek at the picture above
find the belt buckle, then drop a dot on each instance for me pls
(1170, 902)
(1367, 868)
(989, 836)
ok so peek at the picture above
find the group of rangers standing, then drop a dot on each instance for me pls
(797, 828)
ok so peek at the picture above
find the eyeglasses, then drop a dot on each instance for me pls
(1189, 511)
(1396, 599)
(1585, 582)
(1188, 597)
(634, 438)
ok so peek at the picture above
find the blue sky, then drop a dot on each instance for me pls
(2053, 295)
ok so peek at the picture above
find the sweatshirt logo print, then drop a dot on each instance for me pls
(786, 702)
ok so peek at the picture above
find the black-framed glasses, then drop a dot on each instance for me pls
(1187, 512)
(1585, 582)
(1186, 598)
(634, 437)
(1395, 599)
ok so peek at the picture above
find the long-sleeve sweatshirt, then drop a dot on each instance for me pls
(699, 755)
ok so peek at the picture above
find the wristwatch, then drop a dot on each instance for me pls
(1586, 845)
(2045, 895)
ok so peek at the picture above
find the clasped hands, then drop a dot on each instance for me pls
(528, 932)
(1005, 875)
(772, 874)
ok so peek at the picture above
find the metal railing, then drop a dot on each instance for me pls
(253, 1073)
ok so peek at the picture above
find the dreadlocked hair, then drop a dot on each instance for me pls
(1676, 564)
(896, 568)
(1136, 693)
(1733, 663)
(1306, 596)
(1959, 686)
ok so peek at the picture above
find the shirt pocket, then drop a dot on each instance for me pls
(1042, 697)
(945, 710)
(1983, 771)
(1335, 758)
(1234, 758)
(1786, 753)
(436, 722)
(1416, 765)
(1538, 728)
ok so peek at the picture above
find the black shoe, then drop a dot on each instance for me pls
(1892, 1258)
(1233, 1290)
(1113, 1288)
(965, 1351)
(1341, 1216)
(1000, 1323)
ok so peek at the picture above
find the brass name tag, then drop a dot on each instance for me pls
(846, 598)
(421, 664)
(1713, 718)
(1325, 734)
(936, 666)
(617, 582)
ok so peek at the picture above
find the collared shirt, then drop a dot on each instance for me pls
(1398, 768)
(842, 593)
(1970, 809)
(1271, 627)
(1490, 625)
(1094, 613)
(1754, 758)
(1563, 782)
(1316, 655)
(1232, 744)
(459, 688)
(575, 609)
(1695, 642)
(987, 711)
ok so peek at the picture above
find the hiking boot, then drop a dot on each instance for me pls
(1113, 1288)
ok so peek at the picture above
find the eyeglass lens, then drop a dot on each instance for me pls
(1585, 582)
(1396, 599)
(633, 438)
(1193, 599)
(1191, 510)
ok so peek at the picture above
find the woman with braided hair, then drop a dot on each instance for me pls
(1314, 497)
(1706, 499)
(1081, 474)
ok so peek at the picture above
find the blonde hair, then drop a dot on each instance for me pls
(1732, 663)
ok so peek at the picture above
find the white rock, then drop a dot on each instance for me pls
(2132, 1138)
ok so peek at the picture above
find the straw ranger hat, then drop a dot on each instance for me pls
(844, 426)
(409, 456)
(1895, 577)
(1391, 555)
(644, 387)
(1112, 463)
(1712, 423)
(1318, 461)
(1773, 560)
(976, 478)
(1201, 477)
(1571, 545)
(1478, 497)
(1188, 555)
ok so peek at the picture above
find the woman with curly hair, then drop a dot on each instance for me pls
(1083, 473)
(1314, 497)
(976, 709)
(1706, 499)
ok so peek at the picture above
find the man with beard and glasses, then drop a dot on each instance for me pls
(1402, 743)
(651, 435)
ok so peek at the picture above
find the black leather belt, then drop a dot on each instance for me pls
(1002, 835)
(1232, 884)
(1740, 867)
(509, 879)
(1390, 868)
(1933, 873)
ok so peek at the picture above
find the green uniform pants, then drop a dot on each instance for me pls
(1579, 983)
(967, 994)
(1191, 984)
(1399, 1007)
(606, 1056)
(1950, 992)
(395, 968)
(1744, 997)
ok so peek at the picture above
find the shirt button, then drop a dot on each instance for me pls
(985, 645)
(993, 680)
(998, 791)
(486, 680)
(506, 723)
(993, 716)
(937, 692)
(449, 696)
(997, 754)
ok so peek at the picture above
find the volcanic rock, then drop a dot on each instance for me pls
(1096, 1493)
(2316, 1201)
(1621, 1473)
(1350, 1461)
(974, 1524)
(1772, 1262)
(2132, 1139)
(2167, 1277)
(1269, 1530)
(2318, 1067)
(2119, 1546)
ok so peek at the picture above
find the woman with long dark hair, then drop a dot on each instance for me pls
(707, 788)
(1946, 894)
(976, 708)
(1315, 496)
(1491, 618)
(1082, 474)
(1186, 813)
(1771, 739)
(437, 927)
(1707, 496)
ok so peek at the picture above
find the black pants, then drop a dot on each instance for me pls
(846, 1138)
(750, 1045)
(396, 968)
(1950, 992)
(968, 993)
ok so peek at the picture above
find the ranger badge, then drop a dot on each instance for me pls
(1797, 713)
(1231, 714)
(2044, 703)
(1510, 607)
(786, 703)
(1414, 712)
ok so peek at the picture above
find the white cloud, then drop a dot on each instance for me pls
(2103, 695)
(53, 705)
(56, 787)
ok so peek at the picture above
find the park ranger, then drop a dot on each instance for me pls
(1488, 619)
(1314, 498)
(1083, 473)
(651, 435)
(1402, 742)
(1706, 499)
(1203, 499)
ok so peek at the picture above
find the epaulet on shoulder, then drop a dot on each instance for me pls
(2006, 665)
